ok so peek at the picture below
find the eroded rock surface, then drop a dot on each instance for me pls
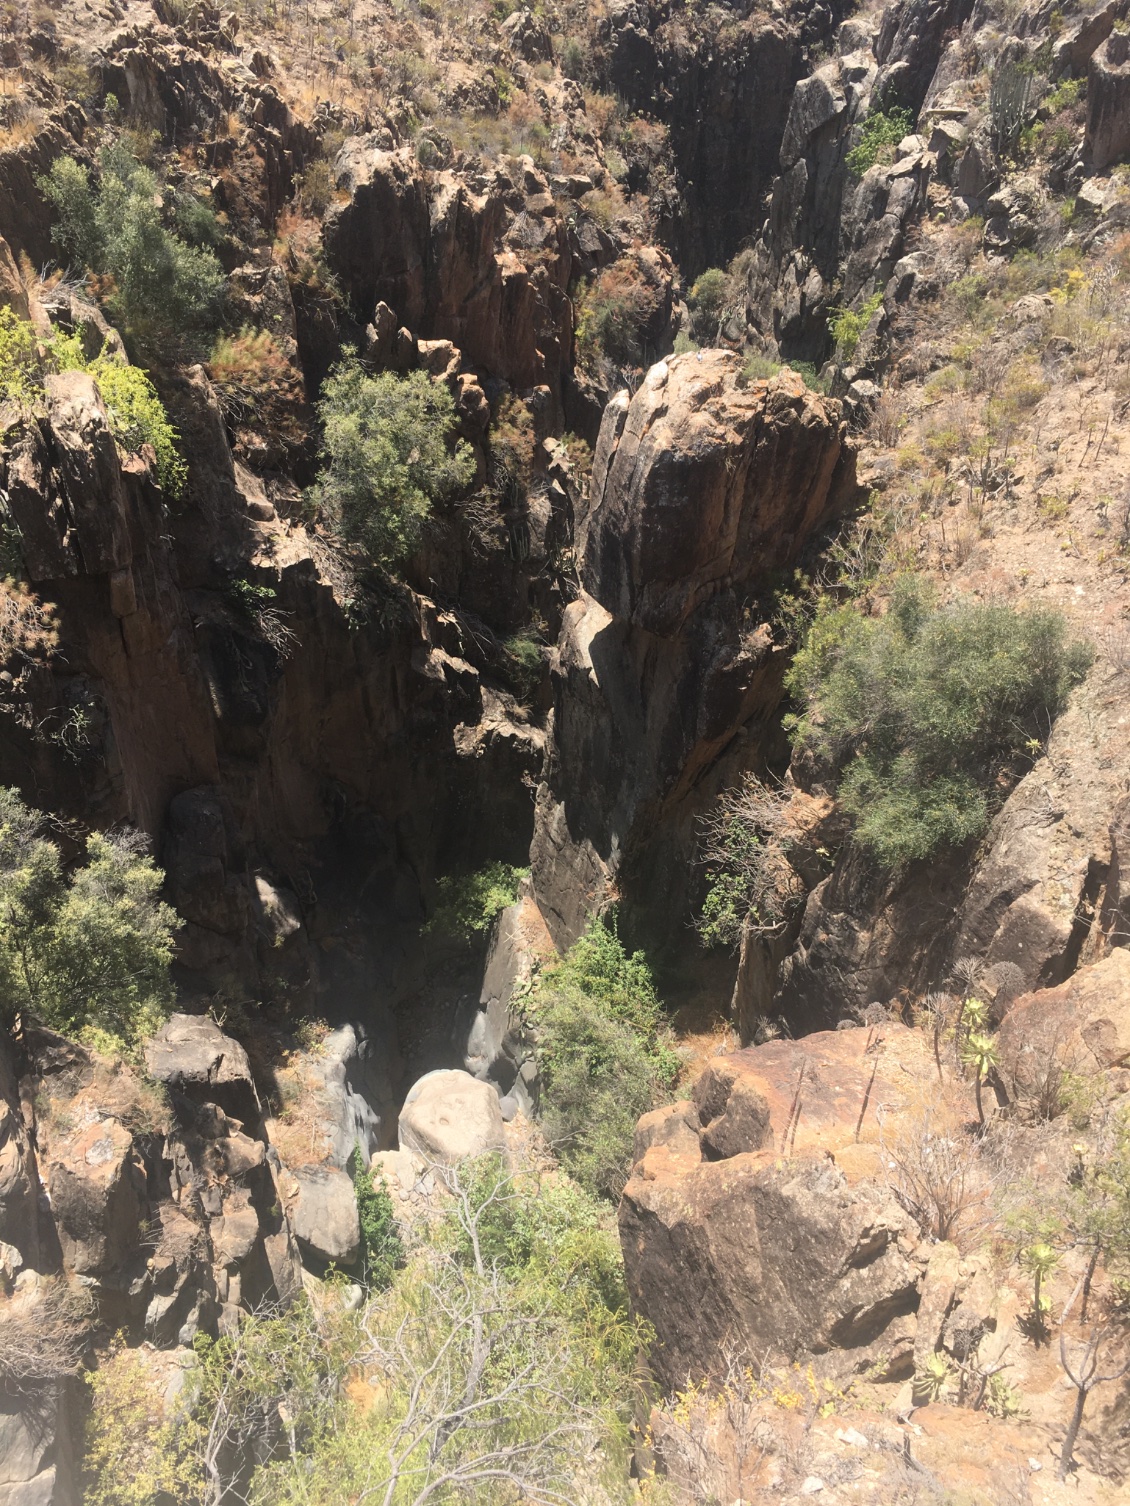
(758, 1215)
(701, 486)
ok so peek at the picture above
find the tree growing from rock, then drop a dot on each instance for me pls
(154, 281)
(387, 458)
(929, 713)
(84, 951)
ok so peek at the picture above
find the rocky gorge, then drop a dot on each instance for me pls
(741, 316)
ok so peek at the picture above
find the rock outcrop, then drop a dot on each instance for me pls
(1108, 103)
(702, 485)
(758, 1216)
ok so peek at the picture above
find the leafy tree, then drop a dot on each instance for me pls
(88, 951)
(386, 457)
(159, 285)
(928, 711)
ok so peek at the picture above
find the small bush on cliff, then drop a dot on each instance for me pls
(612, 315)
(467, 903)
(847, 326)
(929, 712)
(89, 950)
(386, 457)
(605, 1055)
(709, 300)
(382, 1252)
(882, 131)
(137, 415)
(743, 849)
(156, 283)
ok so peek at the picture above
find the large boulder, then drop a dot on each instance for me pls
(758, 1217)
(451, 1116)
(97, 1188)
(324, 1214)
(708, 483)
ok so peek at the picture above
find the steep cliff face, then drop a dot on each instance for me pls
(720, 80)
(665, 678)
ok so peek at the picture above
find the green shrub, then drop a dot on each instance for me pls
(467, 903)
(604, 1052)
(927, 711)
(882, 132)
(386, 457)
(573, 59)
(684, 344)
(598, 1077)
(759, 368)
(612, 313)
(88, 951)
(748, 875)
(134, 1454)
(382, 1253)
(137, 415)
(557, 1244)
(708, 300)
(524, 663)
(155, 283)
(1065, 96)
(485, 1391)
(847, 326)
(21, 376)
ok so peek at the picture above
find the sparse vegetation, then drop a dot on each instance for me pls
(612, 314)
(880, 135)
(137, 415)
(848, 326)
(743, 851)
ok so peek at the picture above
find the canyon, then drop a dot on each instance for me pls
(918, 365)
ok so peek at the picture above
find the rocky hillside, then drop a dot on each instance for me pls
(482, 492)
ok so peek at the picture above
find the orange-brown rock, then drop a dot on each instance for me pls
(1083, 1026)
(758, 1215)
